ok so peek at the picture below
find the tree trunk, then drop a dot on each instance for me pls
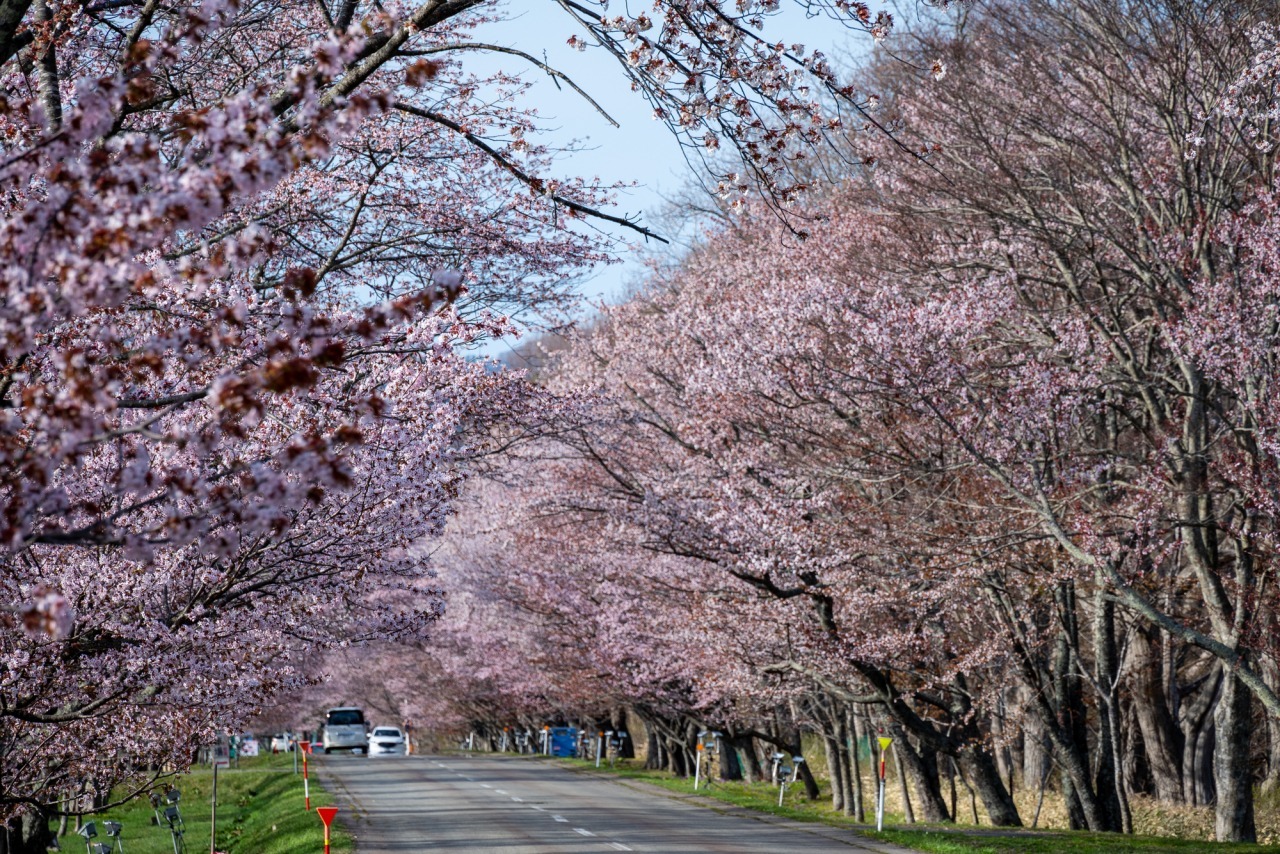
(1233, 774)
(921, 768)
(1162, 741)
(835, 773)
(675, 758)
(908, 814)
(1197, 742)
(1271, 782)
(811, 790)
(1035, 754)
(729, 769)
(618, 723)
(853, 778)
(1133, 763)
(26, 834)
(748, 761)
(653, 754)
(981, 769)
(1107, 783)
(1069, 732)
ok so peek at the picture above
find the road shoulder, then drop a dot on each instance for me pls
(844, 836)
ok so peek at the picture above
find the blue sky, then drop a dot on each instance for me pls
(641, 149)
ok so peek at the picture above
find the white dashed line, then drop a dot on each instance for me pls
(583, 831)
(538, 808)
(517, 800)
(619, 846)
(486, 786)
(500, 791)
(559, 818)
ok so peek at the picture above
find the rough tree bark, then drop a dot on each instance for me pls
(1162, 742)
(1233, 773)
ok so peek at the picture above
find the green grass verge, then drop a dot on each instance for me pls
(958, 842)
(260, 811)
(984, 840)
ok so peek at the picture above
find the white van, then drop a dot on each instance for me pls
(345, 729)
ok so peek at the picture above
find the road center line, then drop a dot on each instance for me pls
(583, 831)
(559, 818)
(500, 791)
(619, 846)
(517, 800)
(538, 808)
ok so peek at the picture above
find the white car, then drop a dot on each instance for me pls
(282, 742)
(387, 741)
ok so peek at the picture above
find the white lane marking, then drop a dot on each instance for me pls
(620, 846)
(559, 818)
(517, 800)
(486, 785)
(538, 808)
(500, 791)
(583, 831)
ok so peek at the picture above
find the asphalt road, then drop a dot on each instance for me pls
(503, 805)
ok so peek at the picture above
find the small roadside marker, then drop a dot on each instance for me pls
(326, 815)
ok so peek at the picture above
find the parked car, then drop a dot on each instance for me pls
(387, 741)
(282, 742)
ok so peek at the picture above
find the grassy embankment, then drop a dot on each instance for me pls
(260, 811)
(962, 839)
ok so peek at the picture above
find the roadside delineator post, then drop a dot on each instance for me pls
(306, 785)
(697, 763)
(599, 747)
(884, 748)
(326, 815)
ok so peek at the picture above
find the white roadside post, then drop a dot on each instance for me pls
(697, 761)
(599, 747)
(884, 748)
